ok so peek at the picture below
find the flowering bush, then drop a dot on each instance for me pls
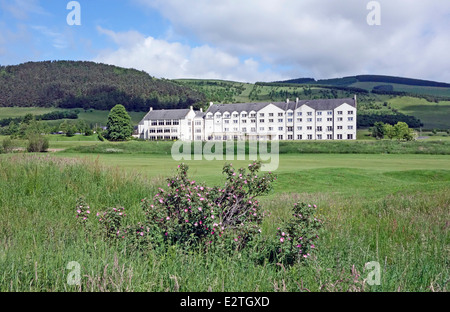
(83, 211)
(295, 239)
(111, 220)
(189, 213)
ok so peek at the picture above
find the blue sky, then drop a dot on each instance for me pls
(251, 40)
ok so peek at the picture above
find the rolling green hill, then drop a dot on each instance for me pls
(76, 84)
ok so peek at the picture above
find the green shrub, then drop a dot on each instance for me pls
(7, 145)
(37, 143)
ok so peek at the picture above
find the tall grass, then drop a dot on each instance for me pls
(406, 232)
(303, 147)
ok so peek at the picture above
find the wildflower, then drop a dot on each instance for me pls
(282, 239)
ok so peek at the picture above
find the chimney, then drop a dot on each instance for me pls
(356, 103)
(287, 101)
(192, 108)
(201, 110)
(211, 104)
(151, 108)
(296, 101)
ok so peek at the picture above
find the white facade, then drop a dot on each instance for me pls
(333, 119)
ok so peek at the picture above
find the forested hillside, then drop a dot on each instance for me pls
(76, 84)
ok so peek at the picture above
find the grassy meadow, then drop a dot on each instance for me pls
(390, 208)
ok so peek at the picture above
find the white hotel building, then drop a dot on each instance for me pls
(328, 119)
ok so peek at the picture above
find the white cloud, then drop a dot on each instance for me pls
(165, 59)
(321, 38)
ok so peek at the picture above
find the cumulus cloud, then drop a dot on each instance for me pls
(166, 59)
(321, 38)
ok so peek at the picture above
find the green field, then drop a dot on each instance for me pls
(389, 208)
(433, 115)
(91, 116)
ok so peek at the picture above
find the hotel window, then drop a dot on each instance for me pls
(152, 130)
(309, 114)
(261, 128)
(261, 120)
(290, 137)
(350, 118)
(329, 128)
(309, 136)
(159, 130)
(198, 137)
(227, 121)
(299, 137)
(290, 120)
(329, 119)
(244, 121)
(280, 120)
(253, 115)
(244, 115)
(270, 114)
(235, 129)
(329, 137)
(339, 127)
(280, 114)
(226, 129)
(198, 130)
(270, 128)
(226, 116)
(235, 121)
(161, 122)
(319, 129)
(154, 123)
(319, 119)
(168, 122)
(261, 114)
(319, 113)
(339, 119)
(339, 112)
(339, 136)
(174, 130)
(280, 137)
(329, 113)
(280, 128)
(236, 115)
(299, 113)
(290, 114)
(319, 137)
(349, 136)
(175, 122)
(309, 120)
(253, 121)
(299, 128)
(270, 120)
(244, 129)
(166, 130)
(253, 130)
(290, 129)
(299, 119)
(350, 112)
(350, 127)
(198, 123)
(309, 128)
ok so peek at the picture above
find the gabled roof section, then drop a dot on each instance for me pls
(326, 104)
(240, 107)
(166, 114)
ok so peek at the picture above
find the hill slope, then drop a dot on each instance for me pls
(78, 84)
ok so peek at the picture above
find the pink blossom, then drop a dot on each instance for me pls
(282, 239)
